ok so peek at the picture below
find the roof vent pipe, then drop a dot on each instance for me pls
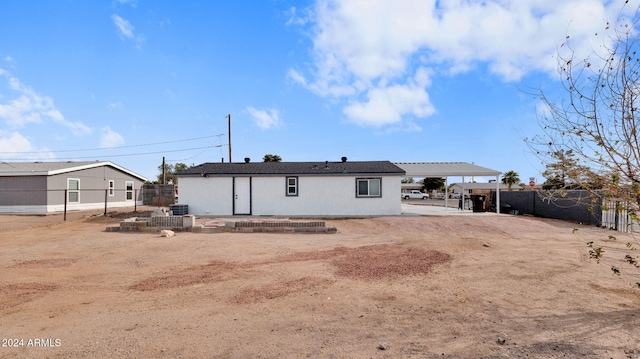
(344, 159)
(247, 160)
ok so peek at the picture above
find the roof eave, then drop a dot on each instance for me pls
(72, 168)
(97, 164)
(208, 174)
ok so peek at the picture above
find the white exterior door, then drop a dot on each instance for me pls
(242, 195)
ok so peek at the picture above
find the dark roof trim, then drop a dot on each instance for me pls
(365, 168)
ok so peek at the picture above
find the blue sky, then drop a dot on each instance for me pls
(131, 81)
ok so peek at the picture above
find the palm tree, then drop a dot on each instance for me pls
(271, 158)
(510, 178)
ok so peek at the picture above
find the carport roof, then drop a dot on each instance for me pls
(444, 169)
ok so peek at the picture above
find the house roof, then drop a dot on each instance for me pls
(53, 168)
(294, 168)
(445, 169)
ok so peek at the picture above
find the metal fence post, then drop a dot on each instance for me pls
(65, 204)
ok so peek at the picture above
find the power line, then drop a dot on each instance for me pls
(122, 155)
(109, 148)
(190, 157)
(220, 142)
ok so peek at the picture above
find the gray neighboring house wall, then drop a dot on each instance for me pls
(292, 188)
(39, 187)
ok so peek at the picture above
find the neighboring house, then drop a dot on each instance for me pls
(46, 187)
(292, 188)
(477, 188)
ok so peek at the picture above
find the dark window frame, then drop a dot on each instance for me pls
(368, 181)
(129, 190)
(73, 194)
(288, 186)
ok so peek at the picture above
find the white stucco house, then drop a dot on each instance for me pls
(292, 188)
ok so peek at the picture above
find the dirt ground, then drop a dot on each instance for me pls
(390, 287)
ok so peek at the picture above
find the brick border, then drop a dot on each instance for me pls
(175, 223)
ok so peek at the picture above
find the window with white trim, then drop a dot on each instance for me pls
(292, 186)
(73, 190)
(112, 187)
(129, 190)
(368, 187)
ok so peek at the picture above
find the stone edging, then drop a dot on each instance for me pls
(178, 224)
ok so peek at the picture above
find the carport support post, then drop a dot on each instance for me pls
(462, 194)
(446, 192)
(497, 194)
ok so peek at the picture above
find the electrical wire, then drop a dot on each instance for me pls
(108, 148)
(200, 153)
(190, 157)
(122, 155)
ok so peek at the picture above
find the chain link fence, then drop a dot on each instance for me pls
(41, 202)
(616, 214)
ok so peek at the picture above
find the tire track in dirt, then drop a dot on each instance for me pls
(366, 263)
(12, 295)
(45, 263)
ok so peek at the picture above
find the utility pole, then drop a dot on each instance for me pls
(164, 175)
(229, 126)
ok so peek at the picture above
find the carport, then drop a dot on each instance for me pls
(450, 169)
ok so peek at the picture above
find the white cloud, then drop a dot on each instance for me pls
(19, 111)
(387, 104)
(110, 138)
(265, 119)
(115, 105)
(77, 128)
(13, 145)
(13, 142)
(124, 27)
(133, 3)
(517, 37)
(370, 48)
(164, 22)
(31, 107)
(294, 76)
(126, 30)
(297, 16)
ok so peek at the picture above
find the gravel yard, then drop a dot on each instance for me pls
(389, 287)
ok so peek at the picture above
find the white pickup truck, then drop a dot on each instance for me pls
(414, 194)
